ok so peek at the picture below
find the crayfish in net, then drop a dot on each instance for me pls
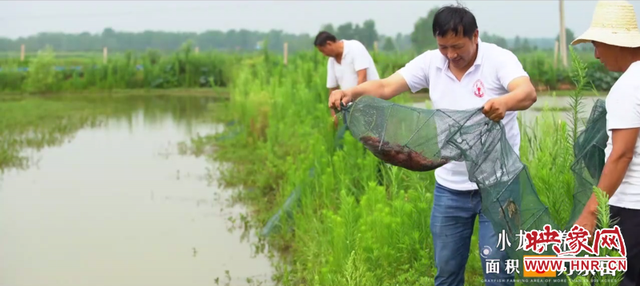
(400, 156)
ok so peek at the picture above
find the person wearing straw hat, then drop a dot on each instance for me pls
(615, 36)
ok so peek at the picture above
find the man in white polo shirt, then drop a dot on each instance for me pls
(463, 73)
(349, 63)
(614, 34)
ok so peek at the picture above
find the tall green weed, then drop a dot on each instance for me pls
(41, 77)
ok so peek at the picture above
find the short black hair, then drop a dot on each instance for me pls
(323, 37)
(452, 18)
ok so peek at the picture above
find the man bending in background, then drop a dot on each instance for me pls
(349, 65)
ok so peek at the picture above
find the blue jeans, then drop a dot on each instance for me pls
(452, 220)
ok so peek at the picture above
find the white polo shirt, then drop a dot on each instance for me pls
(623, 111)
(488, 78)
(355, 57)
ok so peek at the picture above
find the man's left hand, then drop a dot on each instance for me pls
(495, 109)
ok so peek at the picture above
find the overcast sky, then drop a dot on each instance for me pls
(506, 18)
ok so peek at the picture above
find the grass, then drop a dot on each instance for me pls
(551, 108)
(568, 93)
(184, 68)
(146, 70)
(351, 224)
(220, 93)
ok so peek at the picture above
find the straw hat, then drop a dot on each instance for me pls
(613, 23)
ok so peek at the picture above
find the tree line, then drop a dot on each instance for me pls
(243, 40)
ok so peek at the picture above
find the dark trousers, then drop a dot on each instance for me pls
(629, 223)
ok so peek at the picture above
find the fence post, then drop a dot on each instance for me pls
(286, 52)
(555, 55)
(104, 55)
(22, 53)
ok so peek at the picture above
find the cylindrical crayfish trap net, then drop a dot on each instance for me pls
(424, 139)
(589, 156)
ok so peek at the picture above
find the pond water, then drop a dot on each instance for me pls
(117, 205)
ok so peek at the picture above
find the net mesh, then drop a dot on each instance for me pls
(424, 139)
(589, 156)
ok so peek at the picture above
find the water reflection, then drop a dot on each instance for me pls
(33, 124)
(116, 205)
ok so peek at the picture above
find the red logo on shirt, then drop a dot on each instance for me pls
(478, 88)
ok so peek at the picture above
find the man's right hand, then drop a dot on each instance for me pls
(338, 96)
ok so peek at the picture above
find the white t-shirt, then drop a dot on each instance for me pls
(488, 78)
(623, 111)
(355, 57)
